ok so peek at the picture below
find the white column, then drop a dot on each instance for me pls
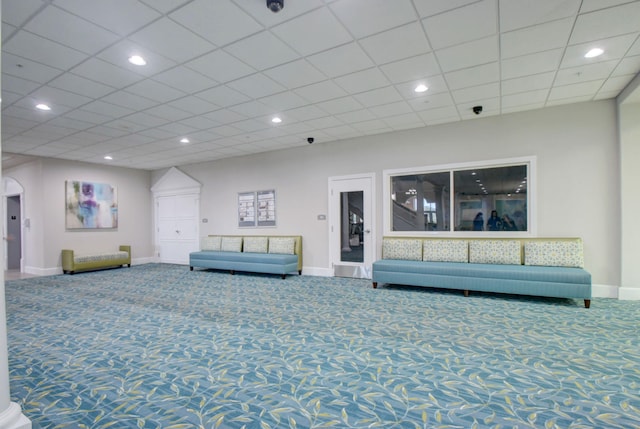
(10, 413)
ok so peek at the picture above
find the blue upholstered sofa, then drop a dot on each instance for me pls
(550, 267)
(258, 254)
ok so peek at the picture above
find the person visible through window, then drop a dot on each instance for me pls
(494, 223)
(478, 222)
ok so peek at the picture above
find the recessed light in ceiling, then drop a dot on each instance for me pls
(184, 140)
(421, 88)
(594, 53)
(108, 157)
(276, 120)
(137, 60)
(42, 106)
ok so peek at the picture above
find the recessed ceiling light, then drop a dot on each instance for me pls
(137, 60)
(42, 106)
(421, 88)
(594, 53)
(108, 158)
(184, 140)
(276, 120)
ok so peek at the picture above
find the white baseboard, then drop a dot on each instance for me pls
(43, 271)
(629, 293)
(140, 261)
(317, 271)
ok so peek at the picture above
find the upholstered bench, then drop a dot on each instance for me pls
(258, 254)
(73, 262)
(541, 266)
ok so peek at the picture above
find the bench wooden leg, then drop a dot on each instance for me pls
(375, 285)
(587, 303)
(232, 272)
(466, 293)
(190, 268)
(299, 272)
(284, 276)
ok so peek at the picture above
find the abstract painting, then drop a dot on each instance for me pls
(91, 205)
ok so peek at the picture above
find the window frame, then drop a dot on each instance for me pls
(529, 161)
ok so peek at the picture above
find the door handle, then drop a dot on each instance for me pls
(368, 231)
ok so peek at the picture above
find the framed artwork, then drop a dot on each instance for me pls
(90, 205)
(266, 208)
(246, 209)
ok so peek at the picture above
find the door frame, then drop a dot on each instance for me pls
(12, 188)
(335, 219)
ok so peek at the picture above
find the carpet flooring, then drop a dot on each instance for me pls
(159, 346)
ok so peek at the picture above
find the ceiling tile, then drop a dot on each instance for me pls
(295, 74)
(19, 85)
(119, 16)
(155, 91)
(433, 7)
(342, 60)
(411, 69)
(194, 105)
(477, 93)
(119, 53)
(537, 97)
(431, 101)
(606, 23)
(527, 83)
(306, 113)
(262, 51)
(302, 34)
(340, 105)
(531, 64)
(356, 116)
(435, 85)
(168, 113)
(220, 66)
(256, 86)
(363, 81)
(470, 54)
(392, 44)
(47, 25)
(79, 85)
(129, 100)
(516, 14)
(17, 12)
(224, 116)
(591, 5)
(629, 65)
(43, 50)
(366, 17)
(539, 38)
(108, 109)
(284, 101)
(269, 19)
(378, 96)
(222, 96)
(472, 76)
(252, 109)
(575, 90)
(391, 109)
(185, 80)
(321, 91)
(585, 73)
(172, 40)
(106, 73)
(614, 47)
(60, 97)
(462, 25)
(26, 69)
(220, 22)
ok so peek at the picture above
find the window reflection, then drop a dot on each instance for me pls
(421, 202)
(491, 199)
(484, 199)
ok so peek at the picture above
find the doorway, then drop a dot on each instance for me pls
(13, 235)
(177, 227)
(352, 243)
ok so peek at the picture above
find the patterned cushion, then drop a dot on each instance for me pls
(495, 252)
(231, 244)
(445, 250)
(210, 243)
(402, 248)
(281, 245)
(554, 253)
(255, 244)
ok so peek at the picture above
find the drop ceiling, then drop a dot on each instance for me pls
(218, 72)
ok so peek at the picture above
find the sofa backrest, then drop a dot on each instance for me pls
(255, 243)
(545, 251)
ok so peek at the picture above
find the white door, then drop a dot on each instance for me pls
(177, 227)
(351, 221)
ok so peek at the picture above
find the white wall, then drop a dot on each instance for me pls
(630, 210)
(44, 204)
(577, 187)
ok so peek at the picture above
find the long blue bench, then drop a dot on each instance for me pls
(508, 278)
(257, 254)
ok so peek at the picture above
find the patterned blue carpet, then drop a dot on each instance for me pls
(158, 346)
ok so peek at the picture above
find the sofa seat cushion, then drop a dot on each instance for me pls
(260, 258)
(489, 271)
(95, 257)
